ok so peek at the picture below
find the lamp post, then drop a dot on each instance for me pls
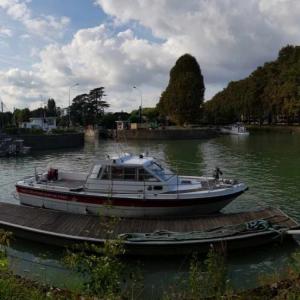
(141, 106)
(69, 110)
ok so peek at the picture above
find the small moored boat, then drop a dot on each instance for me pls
(237, 128)
(128, 186)
(12, 147)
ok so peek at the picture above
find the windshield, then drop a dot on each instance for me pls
(160, 171)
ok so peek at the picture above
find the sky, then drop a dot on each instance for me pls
(49, 46)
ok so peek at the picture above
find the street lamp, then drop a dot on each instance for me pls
(69, 110)
(141, 107)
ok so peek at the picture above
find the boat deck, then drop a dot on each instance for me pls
(63, 229)
(71, 184)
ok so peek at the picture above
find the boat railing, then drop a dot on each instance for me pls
(146, 188)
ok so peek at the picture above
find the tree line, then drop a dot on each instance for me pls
(86, 109)
(18, 116)
(271, 94)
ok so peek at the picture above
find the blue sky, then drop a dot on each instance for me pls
(48, 45)
(84, 14)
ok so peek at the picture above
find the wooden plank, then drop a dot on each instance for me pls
(96, 227)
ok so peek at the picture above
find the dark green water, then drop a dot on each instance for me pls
(268, 163)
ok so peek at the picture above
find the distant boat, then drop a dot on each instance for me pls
(129, 186)
(10, 146)
(237, 128)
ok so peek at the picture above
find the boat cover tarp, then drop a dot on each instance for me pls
(220, 232)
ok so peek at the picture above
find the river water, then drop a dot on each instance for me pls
(268, 162)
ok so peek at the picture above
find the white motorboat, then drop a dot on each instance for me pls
(237, 128)
(128, 186)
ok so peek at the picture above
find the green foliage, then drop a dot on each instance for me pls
(134, 116)
(16, 288)
(150, 113)
(105, 275)
(108, 120)
(100, 267)
(51, 108)
(210, 278)
(38, 113)
(6, 119)
(21, 115)
(5, 238)
(87, 109)
(183, 97)
(294, 265)
(270, 94)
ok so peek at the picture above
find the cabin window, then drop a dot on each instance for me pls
(130, 173)
(117, 173)
(143, 175)
(157, 187)
(106, 173)
(99, 173)
(96, 172)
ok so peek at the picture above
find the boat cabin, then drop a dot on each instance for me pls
(129, 173)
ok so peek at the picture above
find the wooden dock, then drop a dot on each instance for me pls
(64, 229)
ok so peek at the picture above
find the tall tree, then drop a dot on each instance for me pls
(51, 108)
(183, 97)
(78, 109)
(87, 109)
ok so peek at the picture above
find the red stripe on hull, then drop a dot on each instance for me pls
(71, 197)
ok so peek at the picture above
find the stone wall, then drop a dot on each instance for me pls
(53, 141)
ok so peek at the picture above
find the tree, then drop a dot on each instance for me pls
(183, 97)
(6, 119)
(150, 113)
(95, 98)
(21, 115)
(51, 108)
(88, 109)
(39, 112)
(270, 94)
(78, 110)
(108, 120)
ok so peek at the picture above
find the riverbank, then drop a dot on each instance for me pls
(16, 287)
(52, 141)
(274, 128)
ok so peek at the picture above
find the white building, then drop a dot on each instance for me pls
(46, 123)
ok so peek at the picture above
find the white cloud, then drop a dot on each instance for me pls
(229, 38)
(48, 27)
(95, 57)
(5, 32)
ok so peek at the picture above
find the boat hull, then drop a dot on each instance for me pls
(123, 207)
(228, 131)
